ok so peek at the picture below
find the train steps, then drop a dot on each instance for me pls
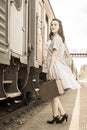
(9, 84)
(8, 89)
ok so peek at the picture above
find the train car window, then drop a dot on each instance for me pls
(18, 4)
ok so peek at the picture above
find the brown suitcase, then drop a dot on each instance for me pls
(49, 90)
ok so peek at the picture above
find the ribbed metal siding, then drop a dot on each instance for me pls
(3, 23)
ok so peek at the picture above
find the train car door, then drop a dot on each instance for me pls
(18, 28)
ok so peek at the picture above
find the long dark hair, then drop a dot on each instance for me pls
(60, 31)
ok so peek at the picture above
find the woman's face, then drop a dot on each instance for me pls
(54, 27)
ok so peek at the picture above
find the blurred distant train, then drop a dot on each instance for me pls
(24, 32)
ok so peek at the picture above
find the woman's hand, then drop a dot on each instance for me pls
(49, 74)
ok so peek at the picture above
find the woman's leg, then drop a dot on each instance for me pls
(55, 105)
(55, 111)
(60, 86)
(57, 108)
(60, 107)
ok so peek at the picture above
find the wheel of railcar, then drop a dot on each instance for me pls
(27, 98)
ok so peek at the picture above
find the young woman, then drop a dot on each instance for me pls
(58, 69)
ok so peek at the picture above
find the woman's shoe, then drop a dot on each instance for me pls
(62, 119)
(55, 119)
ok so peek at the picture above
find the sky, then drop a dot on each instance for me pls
(73, 14)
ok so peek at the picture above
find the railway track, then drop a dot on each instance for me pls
(10, 113)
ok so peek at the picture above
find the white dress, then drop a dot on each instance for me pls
(60, 68)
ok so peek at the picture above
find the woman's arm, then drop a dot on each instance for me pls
(53, 58)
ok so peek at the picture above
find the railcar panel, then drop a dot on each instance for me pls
(18, 29)
(4, 45)
(40, 20)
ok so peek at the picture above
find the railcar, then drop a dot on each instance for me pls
(24, 30)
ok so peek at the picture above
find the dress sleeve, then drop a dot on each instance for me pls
(56, 43)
